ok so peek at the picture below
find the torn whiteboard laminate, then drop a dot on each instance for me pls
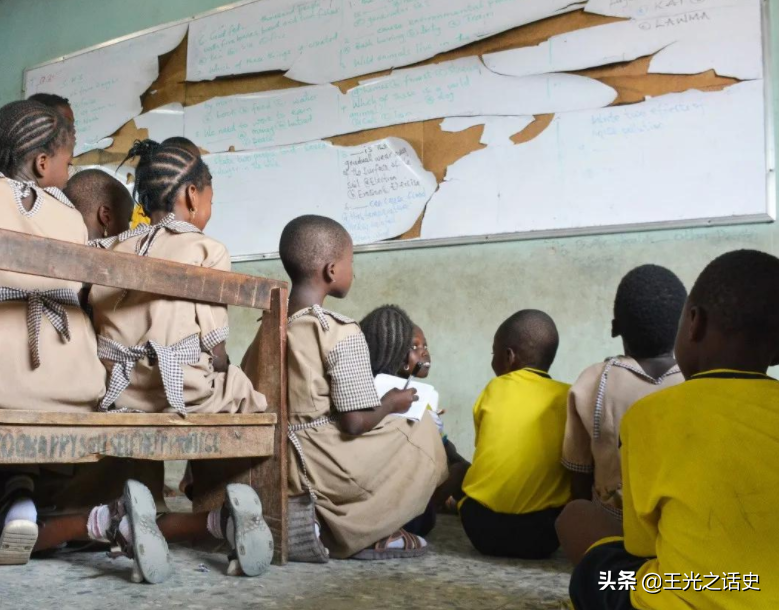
(104, 86)
(688, 157)
(324, 41)
(456, 88)
(694, 39)
(377, 191)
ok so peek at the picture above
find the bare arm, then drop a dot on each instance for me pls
(357, 423)
(220, 358)
(581, 485)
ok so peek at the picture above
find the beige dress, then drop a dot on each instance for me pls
(68, 375)
(158, 350)
(367, 486)
(596, 404)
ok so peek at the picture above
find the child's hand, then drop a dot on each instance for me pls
(400, 401)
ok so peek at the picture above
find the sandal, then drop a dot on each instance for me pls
(253, 550)
(18, 536)
(149, 550)
(413, 546)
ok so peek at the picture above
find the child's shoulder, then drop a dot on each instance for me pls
(326, 320)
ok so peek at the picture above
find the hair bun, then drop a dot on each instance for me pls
(143, 149)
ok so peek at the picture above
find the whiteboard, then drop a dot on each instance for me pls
(594, 169)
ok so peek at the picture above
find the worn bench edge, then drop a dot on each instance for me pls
(45, 418)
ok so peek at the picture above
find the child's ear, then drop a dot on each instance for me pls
(615, 332)
(330, 273)
(41, 165)
(699, 323)
(511, 359)
(192, 197)
(104, 215)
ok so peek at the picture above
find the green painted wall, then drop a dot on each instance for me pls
(458, 295)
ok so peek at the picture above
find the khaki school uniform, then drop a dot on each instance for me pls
(56, 367)
(701, 487)
(157, 350)
(367, 486)
(596, 404)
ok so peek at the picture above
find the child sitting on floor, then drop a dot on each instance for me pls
(162, 353)
(699, 463)
(370, 473)
(516, 486)
(647, 308)
(104, 203)
(49, 358)
(399, 347)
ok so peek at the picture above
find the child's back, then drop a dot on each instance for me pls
(703, 456)
(699, 462)
(164, 353)
(516, 486)
(519, 419)
(370, 472)
(52, 365)
(647, 307)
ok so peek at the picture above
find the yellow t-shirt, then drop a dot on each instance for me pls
(700, 469)
(520, 421)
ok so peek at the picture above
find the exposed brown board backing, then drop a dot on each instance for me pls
(25, 444)
(436, 149)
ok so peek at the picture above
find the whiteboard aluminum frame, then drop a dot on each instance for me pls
(413, 243)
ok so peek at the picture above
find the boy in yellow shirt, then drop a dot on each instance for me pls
(699, 463)
(517, 487)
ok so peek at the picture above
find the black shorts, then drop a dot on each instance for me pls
(526, 536)
(585, 590)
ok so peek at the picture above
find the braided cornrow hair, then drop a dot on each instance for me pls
(162, 170)
(29, 128)
(389, 332)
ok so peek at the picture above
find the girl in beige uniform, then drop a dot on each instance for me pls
(164, 354)
(369, 472)
(49, 356)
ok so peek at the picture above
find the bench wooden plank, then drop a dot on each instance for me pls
(35, 255)
(75, 445)
(45, 418)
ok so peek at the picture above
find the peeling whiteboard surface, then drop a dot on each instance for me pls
(324, 41)
(497, 129)
(726, 39)
(677, 157)
(377, 191)
(163, 122)
(456, 88)
(104, 86)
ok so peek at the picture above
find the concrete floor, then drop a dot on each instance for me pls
(452, 575)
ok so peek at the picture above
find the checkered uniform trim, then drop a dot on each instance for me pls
(22, 189)
(582, 468)
(615, 362)
(293, 438)
(320, 313)
(214, 338)
(104, 243)
(149, 233)
(49, 302)
(168, 358)
(351, 381)
(612, 510)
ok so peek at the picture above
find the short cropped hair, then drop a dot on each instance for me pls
(740, 292)
(532, 334)
(649, 302)
(310, 242)
(91, 188)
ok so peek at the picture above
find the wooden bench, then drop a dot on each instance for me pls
(223, 448)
